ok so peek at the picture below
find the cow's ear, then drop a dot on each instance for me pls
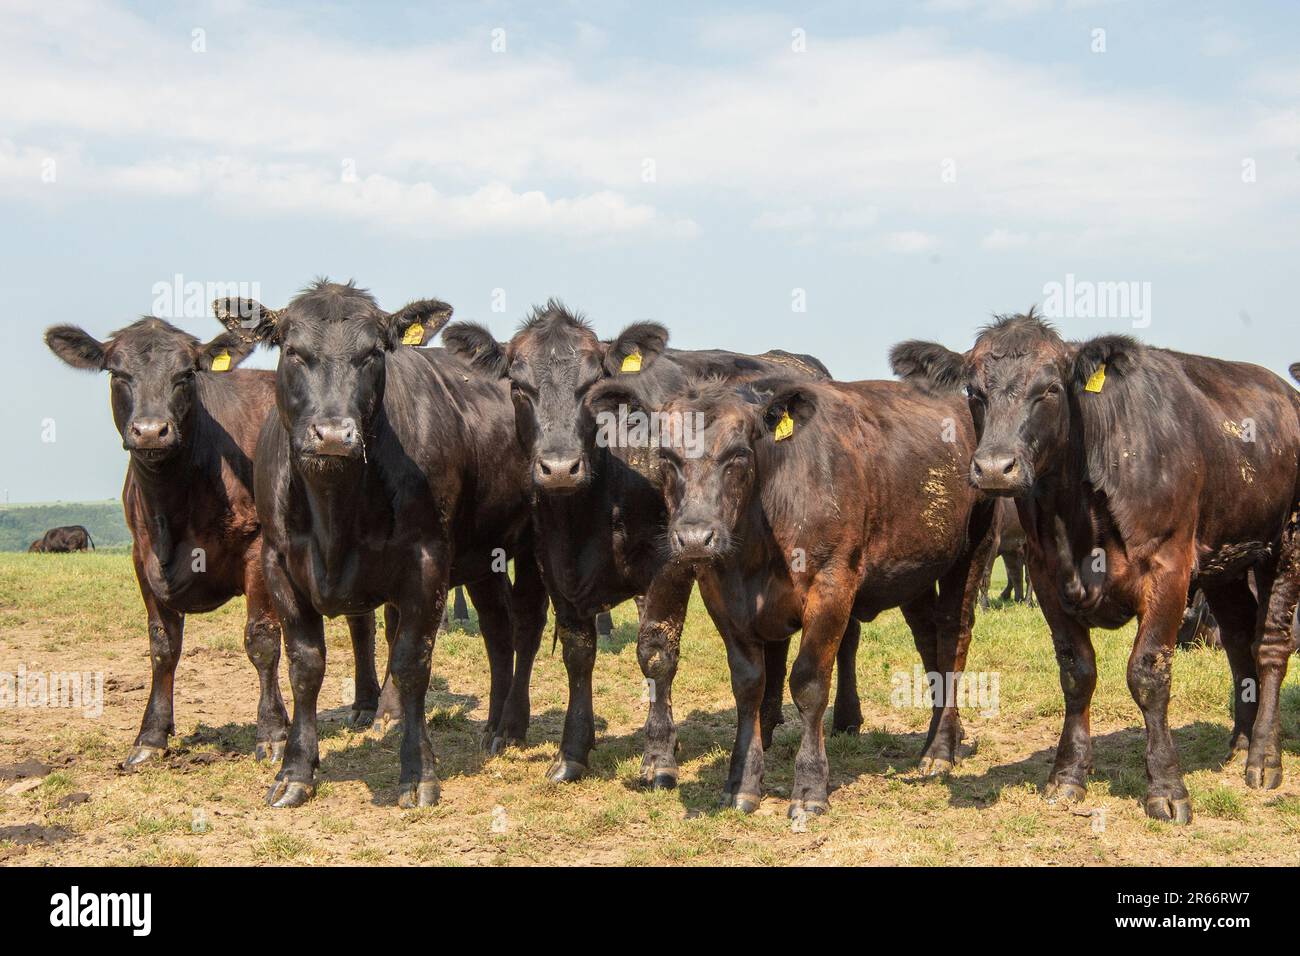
(636, 348)
(610, 395)
(1295, 371)
(929, 365)
(474, 345)
(248, 318)
(786, 406)
(417, 322)
(1101, 357)
(76, 346)
(225, 352)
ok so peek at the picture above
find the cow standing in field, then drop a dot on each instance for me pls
(72, 537)
(599, 516)
(190, 422)
(810, 505)
(1010, 548)
(1138, 471)
(389, 475)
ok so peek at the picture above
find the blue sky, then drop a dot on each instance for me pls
(896, 170)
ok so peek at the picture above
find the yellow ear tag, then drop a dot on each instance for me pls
(1098, 379)
(631, 362)
(784, 428)
(414, 334)
(221, 361)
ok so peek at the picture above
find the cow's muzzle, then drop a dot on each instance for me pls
(696, 540)
(333, 438)
(560, 473)
(150, 435)
(1000, 473)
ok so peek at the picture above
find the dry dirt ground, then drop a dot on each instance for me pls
(203, 804)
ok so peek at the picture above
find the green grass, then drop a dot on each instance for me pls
(22, 524)
(83, 612)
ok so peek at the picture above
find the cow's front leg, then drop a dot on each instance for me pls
(775, 654)
(262, 644)
(491, 597)
(1077, 663)
(304, 642)
(365, 701)
(577, 635)
(166, 631)
(658, 648)
(1149, 678)
(745, 658)
(1274, 644)
(846, 718)
(412, 660)
(1236, 611)
(826, 613)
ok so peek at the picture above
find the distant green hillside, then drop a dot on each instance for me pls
(20, 525)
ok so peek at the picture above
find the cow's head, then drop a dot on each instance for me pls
(713, 441)
(552, 363)
(153, 366)
(1019, 379)
(334, 341)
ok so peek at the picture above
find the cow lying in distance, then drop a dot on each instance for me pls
(599, 516)
(72, 537)
(389, 475)
(190, 421)
(1138, 471)
(808, 505)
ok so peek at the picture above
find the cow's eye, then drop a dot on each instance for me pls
(1052, 390)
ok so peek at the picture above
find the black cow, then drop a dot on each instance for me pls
(190, 421)
(1138, 471)
(72, 537)
(598, 513)
(805, 505)
(389, 475)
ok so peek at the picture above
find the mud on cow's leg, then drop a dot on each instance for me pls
(775, 654)
(1275, 642)
(577, 636)
(365, 700)
(166, 631)
(389, 710)
(658, 649)
(746, 660)
(1149, 678)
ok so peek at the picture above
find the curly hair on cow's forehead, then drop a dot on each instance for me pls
(1017, 333)
(554, 313)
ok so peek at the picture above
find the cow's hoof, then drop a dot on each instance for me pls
(272, 750)
(289, 793)
(1170, 809)
(140, 754)
(422, 794)
(658, 778)
(501, 743)
(1263, 778)
(850, 730)
(809, 808)
(744, 802)
(1064, 793)
(934, 766)
(361, 719)
(384, 723)
(564, 770)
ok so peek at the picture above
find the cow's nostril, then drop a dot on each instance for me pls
(574, 468)
(1010, 467)
(708, 538)
(162, 432)
(545, 469)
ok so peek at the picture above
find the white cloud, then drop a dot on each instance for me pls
(448, 137)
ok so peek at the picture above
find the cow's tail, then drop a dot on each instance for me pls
(90, 539)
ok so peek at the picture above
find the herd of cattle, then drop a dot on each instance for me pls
(369, 471)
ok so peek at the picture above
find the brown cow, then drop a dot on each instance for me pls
(1138, 471)
(72, 537)
(807, 505)
(190, 421)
